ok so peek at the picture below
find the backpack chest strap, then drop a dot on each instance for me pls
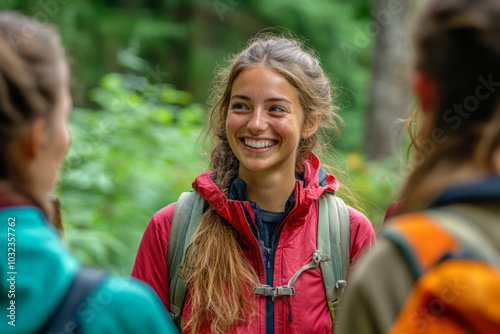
(289, 290)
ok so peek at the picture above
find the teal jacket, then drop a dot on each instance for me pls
(37, 271)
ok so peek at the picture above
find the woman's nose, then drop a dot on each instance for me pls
(258, 121)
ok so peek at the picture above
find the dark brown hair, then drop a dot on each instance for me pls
(221, 282)
(457, 44)
(30, 79)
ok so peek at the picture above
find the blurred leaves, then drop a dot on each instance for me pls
(130, 157)
(376, 184)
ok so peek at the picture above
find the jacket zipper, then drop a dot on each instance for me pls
(268, 277)
(273, 254)
(259, 258)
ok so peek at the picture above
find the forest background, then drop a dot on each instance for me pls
(142, 71)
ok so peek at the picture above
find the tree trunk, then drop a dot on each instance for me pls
(390, 93)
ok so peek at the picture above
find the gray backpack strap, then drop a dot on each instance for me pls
(186, 218)
(470, 237)
(345, 235)
(335, 242)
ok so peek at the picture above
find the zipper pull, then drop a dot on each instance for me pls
(268, 253)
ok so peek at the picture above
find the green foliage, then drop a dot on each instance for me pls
(376, 184)
(128, 159)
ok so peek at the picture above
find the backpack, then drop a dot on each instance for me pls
(64, 319)
(332, 256)
(455, 268)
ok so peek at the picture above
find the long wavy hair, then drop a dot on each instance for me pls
(221, 281)
(458, 44)
(30, 78)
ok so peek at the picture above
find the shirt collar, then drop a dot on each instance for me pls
(485, 190)
(238, 192)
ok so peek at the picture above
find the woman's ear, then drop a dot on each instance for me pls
(36, 139)
(311, 125)
(427, 90)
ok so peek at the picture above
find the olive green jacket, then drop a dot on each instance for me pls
(382, 279)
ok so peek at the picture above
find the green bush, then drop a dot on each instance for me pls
(375, 184)
(130, 157)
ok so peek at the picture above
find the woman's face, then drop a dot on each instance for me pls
(57, 140)
(264, 122)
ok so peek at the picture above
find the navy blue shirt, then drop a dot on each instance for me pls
(267, 222)
(482, 191)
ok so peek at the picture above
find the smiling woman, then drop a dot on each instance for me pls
(258, 226)
(264, 125)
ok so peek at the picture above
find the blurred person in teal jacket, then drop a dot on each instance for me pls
(43, 286)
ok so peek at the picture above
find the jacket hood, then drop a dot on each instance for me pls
(307, 191)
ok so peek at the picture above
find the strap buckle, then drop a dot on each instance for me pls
(284, 290)
(319, 257)
(175, 313)
(266, 290)
(289, 290)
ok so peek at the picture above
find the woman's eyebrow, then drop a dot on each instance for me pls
(243, 97)
(271, 99)
(277, 99)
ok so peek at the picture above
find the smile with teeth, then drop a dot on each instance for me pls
(259, 143)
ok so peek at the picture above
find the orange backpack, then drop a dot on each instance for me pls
(456, 271)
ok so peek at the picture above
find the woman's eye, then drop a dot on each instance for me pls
(277, 109)
(239, 106)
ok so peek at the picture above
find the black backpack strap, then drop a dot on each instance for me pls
(64, 318)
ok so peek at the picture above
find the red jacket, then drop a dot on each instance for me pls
(296, 245)
(392, 210)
